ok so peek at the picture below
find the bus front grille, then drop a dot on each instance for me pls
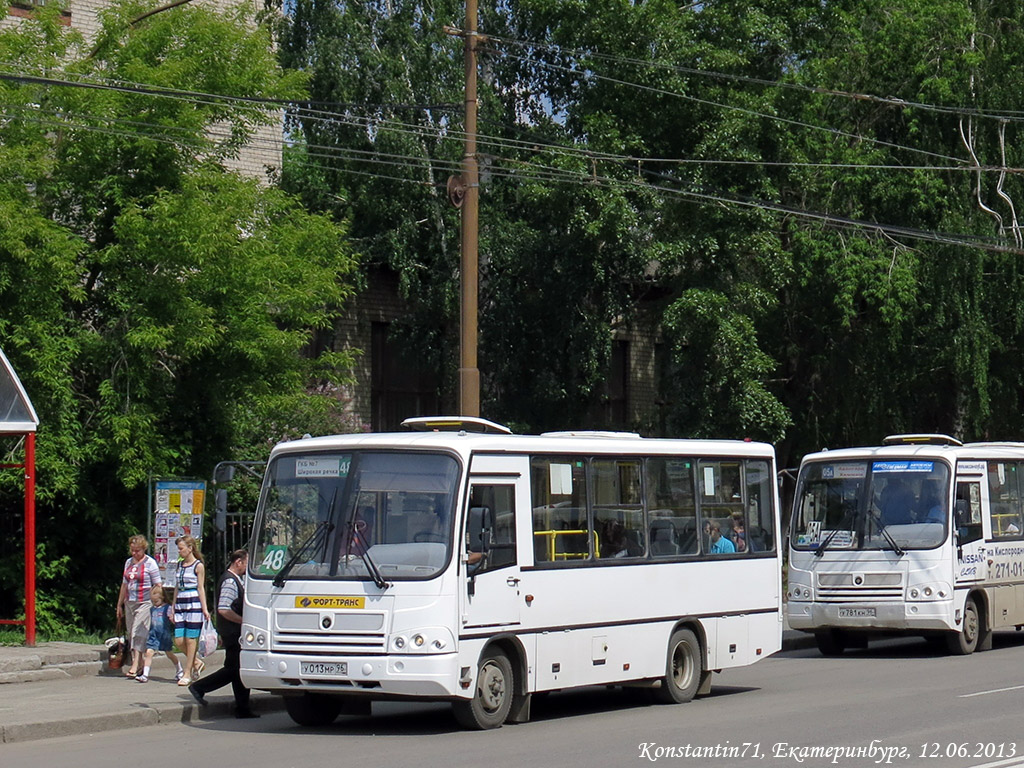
(327, 643)
(328, 632)
(859, 587)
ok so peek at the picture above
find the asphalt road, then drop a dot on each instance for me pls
(897, 703)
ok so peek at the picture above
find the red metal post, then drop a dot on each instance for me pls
(30, 539)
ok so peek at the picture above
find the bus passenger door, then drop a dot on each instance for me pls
(969, 538)
(492, 569)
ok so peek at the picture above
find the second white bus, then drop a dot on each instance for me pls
(921, 535)
(466, 564)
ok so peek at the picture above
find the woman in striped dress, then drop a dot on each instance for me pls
(189, 605)
(141, 574)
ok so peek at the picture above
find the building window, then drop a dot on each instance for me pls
(25, 9)
(401, 386)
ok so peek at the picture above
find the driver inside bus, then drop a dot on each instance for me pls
(931, 510)
(358, 537)
(896, 503)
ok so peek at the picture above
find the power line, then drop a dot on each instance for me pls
(305, 113)
(742, 110)
(1006, 114)
(540, 173)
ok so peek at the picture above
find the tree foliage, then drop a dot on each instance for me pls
(156, 305)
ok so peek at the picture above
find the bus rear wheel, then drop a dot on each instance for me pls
(313, 710)
(495, 687)
(830, 642)
(964, 642)
(683, 669)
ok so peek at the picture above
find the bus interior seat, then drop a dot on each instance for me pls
(688, 538)
(663, 538)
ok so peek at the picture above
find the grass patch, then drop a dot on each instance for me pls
(16, 636)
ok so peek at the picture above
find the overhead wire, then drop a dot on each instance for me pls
(539, 173)
(1012, 115)
(377, 123)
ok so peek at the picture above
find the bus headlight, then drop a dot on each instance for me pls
(253, 637)
(431, 640)
(799, 592)
(929, 592)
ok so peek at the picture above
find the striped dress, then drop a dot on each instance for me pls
(188, 610)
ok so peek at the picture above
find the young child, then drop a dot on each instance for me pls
(161, 633)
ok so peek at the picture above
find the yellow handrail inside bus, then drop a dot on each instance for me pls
(553, 554)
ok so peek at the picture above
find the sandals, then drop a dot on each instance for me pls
(141, 679)
(197, 668)
(185, 681)
(179, 674)
(130, 674)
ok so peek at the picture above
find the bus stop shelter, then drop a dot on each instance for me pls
(18, 419)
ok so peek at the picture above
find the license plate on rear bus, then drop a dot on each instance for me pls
(856, 613)
(323, 668)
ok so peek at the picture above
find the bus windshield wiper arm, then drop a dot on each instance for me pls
(828, 539)
(309, 544)
(883, 529)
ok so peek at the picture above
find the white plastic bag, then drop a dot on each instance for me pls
(207, 639)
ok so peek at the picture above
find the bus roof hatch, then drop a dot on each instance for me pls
(455, 424)
(920, 439)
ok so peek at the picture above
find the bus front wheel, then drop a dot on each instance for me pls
(495, 687)
(683, 669)
(313, 710)
(830, 642)
(965, 641)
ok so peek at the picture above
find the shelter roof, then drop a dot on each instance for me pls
(16, 412)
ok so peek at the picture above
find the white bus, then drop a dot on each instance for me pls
(922, 535)
(459, 562)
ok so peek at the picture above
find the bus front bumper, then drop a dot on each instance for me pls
(426, 676)
(901, 616)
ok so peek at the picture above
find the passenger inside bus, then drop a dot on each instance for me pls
(738, 534)
(718, 544)
(615, 543)
(896, 503)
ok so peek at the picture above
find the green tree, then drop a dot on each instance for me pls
(158, 306)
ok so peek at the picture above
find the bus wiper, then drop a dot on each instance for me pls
(363, 550)
(828, 539)
(882, 529)
(321, 531)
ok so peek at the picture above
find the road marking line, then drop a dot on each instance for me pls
(1010, 763)
(986, 693)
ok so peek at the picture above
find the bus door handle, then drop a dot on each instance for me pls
(512, 581)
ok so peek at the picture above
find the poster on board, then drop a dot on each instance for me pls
(178, 512)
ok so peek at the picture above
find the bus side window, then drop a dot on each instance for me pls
(491, 527)
(967, 512)
(759, 497)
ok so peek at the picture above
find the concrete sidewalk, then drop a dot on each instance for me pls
(65, 689)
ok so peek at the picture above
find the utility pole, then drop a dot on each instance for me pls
(469, 374)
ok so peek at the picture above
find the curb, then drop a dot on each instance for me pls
(142, 715)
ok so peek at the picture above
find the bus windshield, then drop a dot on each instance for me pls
(334, 515)
(869, 504)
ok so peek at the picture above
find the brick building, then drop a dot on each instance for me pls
(262, 156)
